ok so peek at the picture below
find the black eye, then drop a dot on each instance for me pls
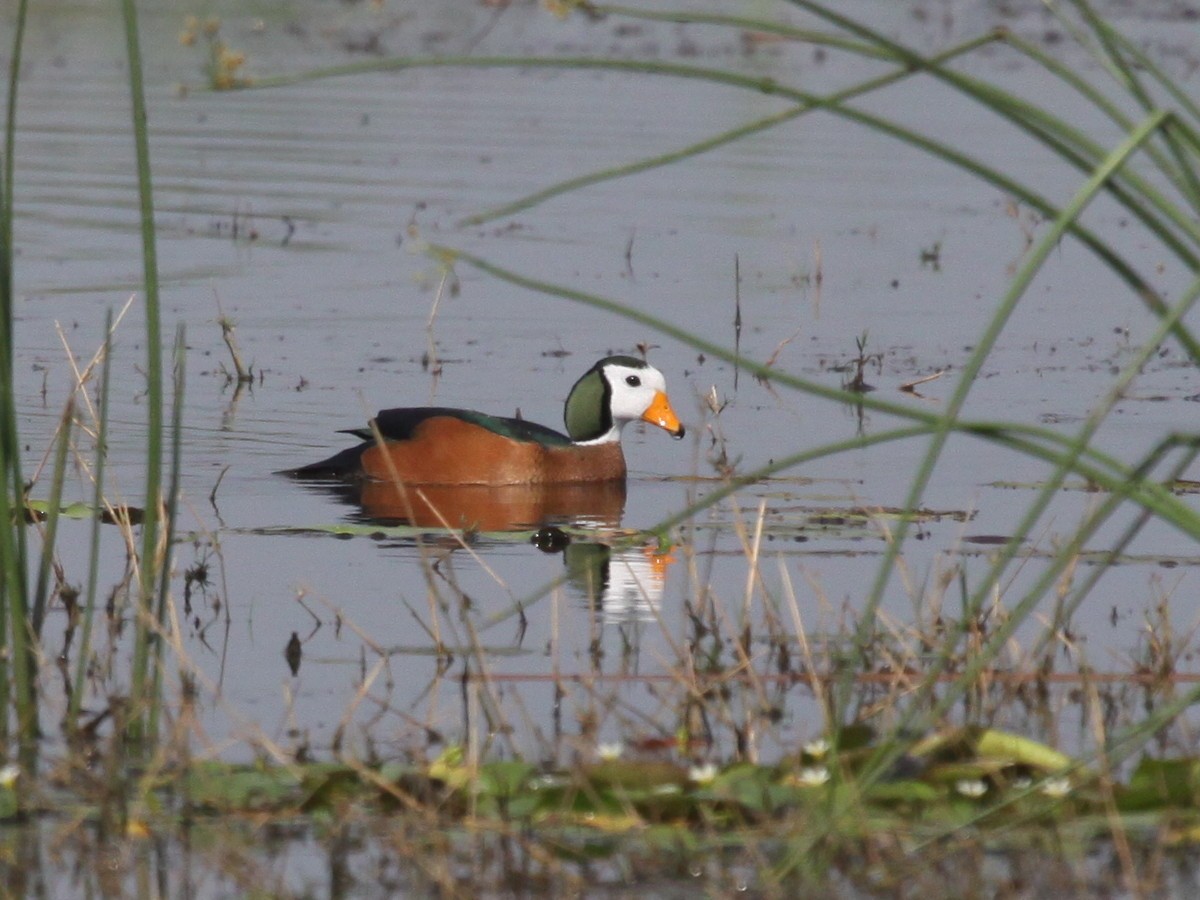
(633, 381)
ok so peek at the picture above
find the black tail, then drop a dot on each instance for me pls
(346, 464)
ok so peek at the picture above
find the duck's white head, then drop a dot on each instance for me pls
(615, 391)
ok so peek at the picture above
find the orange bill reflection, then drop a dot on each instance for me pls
(618, 585)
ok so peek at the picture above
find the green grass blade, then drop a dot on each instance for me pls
(744, 23)
(934, 147)
(1040, 442)
(1179, 173)
(1064, 555)
(1033, 264)
(1139, 196)
(50, 528)
(1126, 73)
(154, 393)
(14, 583)
(1141, 60)
(450, 255)
(712, 143)
(983, 348)
(642, 165)
(6, 181)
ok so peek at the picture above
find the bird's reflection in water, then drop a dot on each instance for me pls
(620, 584)
(514, 507)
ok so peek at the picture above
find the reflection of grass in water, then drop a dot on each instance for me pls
(713, 764)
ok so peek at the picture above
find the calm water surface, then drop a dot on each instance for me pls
(299, 211)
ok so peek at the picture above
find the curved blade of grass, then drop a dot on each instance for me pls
(1072, 145)
(1008, 305)
(945, 424)
(742, 23)
(1141, 60)
(1113, 57)
(759, 83)
(1116, 498)
(711, 143)
(877, 48)
(1109, 48)
(924, 711)
(1038, 440)
(769, 86)
(642, 165)
(1181, 174)
(6, 184)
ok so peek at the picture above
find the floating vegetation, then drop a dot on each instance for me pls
(957, 790)
(224, 65)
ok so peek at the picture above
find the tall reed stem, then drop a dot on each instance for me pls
(14, 596)
(141, 679)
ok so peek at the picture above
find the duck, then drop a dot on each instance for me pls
(438, 445)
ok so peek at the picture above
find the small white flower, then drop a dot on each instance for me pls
(812, 776)
(817, 749)
(1023, 783)
(609, 752)
(1056, 787)
(8, 775)
(702, 774)
(971, 787)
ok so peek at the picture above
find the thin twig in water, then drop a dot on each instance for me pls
(910, 386)
(774, 357)
(212, 496)
(737, 319)
(818, 277)
(431, 358)
(244, 373)
(228, 334)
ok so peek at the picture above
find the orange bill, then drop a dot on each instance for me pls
(661, 414)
